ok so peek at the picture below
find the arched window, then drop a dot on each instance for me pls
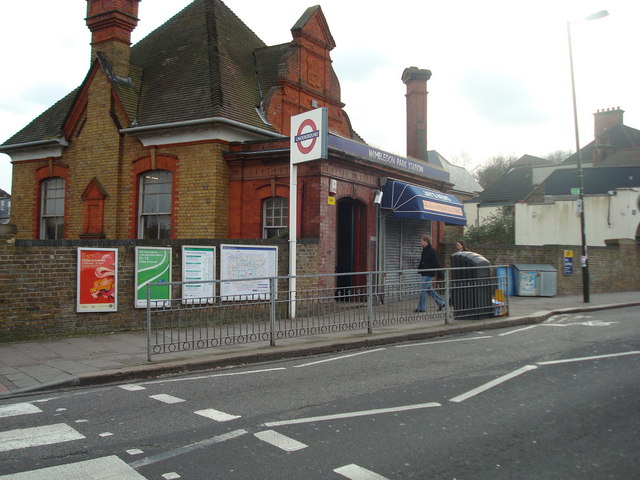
(275, 214)
(155, 205)
(52, 208)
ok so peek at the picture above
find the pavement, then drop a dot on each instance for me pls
(107, 358)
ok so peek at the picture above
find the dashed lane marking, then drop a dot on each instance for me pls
(585, 359)
(341, 357)
(355, 472)
(216, 415)
(281, 441)
(166, 398)
(362, 413)
(491, 384)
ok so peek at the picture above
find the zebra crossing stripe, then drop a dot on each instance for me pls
(111, 467)
(355, 472)
(18, 409)
(36, 436)
(281, 441)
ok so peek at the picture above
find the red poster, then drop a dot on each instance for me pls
(97, 280)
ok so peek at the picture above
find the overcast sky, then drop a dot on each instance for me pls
(500, 84)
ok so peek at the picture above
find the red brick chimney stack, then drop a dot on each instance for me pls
(416, 81)
(605, 119)
(111, 23)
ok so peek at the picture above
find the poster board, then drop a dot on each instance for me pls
(198, 265)
(246, 262)
(153, 265)
(97, 280)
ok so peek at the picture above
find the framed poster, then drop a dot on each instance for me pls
(246, 262)
(153, 265)
(97, 280)
(198, 265)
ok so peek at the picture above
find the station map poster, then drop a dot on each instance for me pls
(153, 265)
(97, 280)
(198, 265)
(244, 262)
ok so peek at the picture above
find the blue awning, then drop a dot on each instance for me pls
(411, 201)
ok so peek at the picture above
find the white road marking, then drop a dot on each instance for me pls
(443, 341)
(105, 467)
(350, 414)
(338, 358)
(354, 472)
(16, 409)
(166, 398)
(518, 330)
(234, 374)
(132, 388)
(188, 448)
(134, 451)
(171, 476)
(281, 441)
(585, 359)
(37, 436)
(492, 383)
(216, 415)
(106, 434)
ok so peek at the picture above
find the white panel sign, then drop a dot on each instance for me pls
(244, 263)
(309, 132)
(198, 265)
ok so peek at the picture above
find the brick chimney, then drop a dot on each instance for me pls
(111, 23)
(604, 120)
(416, 81)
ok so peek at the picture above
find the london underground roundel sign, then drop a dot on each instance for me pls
(309, 136)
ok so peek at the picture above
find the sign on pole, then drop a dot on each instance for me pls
(309, 134)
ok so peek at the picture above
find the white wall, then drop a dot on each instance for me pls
(606, 217)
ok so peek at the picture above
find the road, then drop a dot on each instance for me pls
(555, 400)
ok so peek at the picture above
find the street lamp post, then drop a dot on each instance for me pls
(584, 261)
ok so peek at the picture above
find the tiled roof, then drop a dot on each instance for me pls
(199, 64)
(597, 180)
(512, 187)
(462, 180)
(618, 137)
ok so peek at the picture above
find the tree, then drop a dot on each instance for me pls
(499, 227)
(558, 156)
(493, 169)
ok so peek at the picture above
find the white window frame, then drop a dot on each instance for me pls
(145, 216)
(275, 217)
(52, 200)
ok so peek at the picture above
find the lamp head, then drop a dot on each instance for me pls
(597, 15)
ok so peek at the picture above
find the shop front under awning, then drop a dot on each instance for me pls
(412, 201)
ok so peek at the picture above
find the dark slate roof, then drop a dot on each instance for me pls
(530, 161)
(512, 187)
(199, 64)
(618, 137)
(597, 180)
(623, 158)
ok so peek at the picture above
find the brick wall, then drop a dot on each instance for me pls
(615, 267)
(38, 284)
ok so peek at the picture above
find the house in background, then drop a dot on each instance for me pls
(185, 135)
(5, 206)
(542, 196)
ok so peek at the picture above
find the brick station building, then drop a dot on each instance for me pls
(185, 135)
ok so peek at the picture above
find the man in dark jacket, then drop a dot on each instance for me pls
(428, 262)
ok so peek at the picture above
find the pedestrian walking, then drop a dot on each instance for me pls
(428, 263)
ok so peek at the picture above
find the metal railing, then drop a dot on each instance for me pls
(324, 304)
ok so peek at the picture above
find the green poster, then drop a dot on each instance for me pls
(153, 265)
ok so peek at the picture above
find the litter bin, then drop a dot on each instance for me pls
(535, 280)
(472, 286)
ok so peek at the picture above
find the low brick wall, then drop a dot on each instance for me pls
(614, 268)
(38, 283)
